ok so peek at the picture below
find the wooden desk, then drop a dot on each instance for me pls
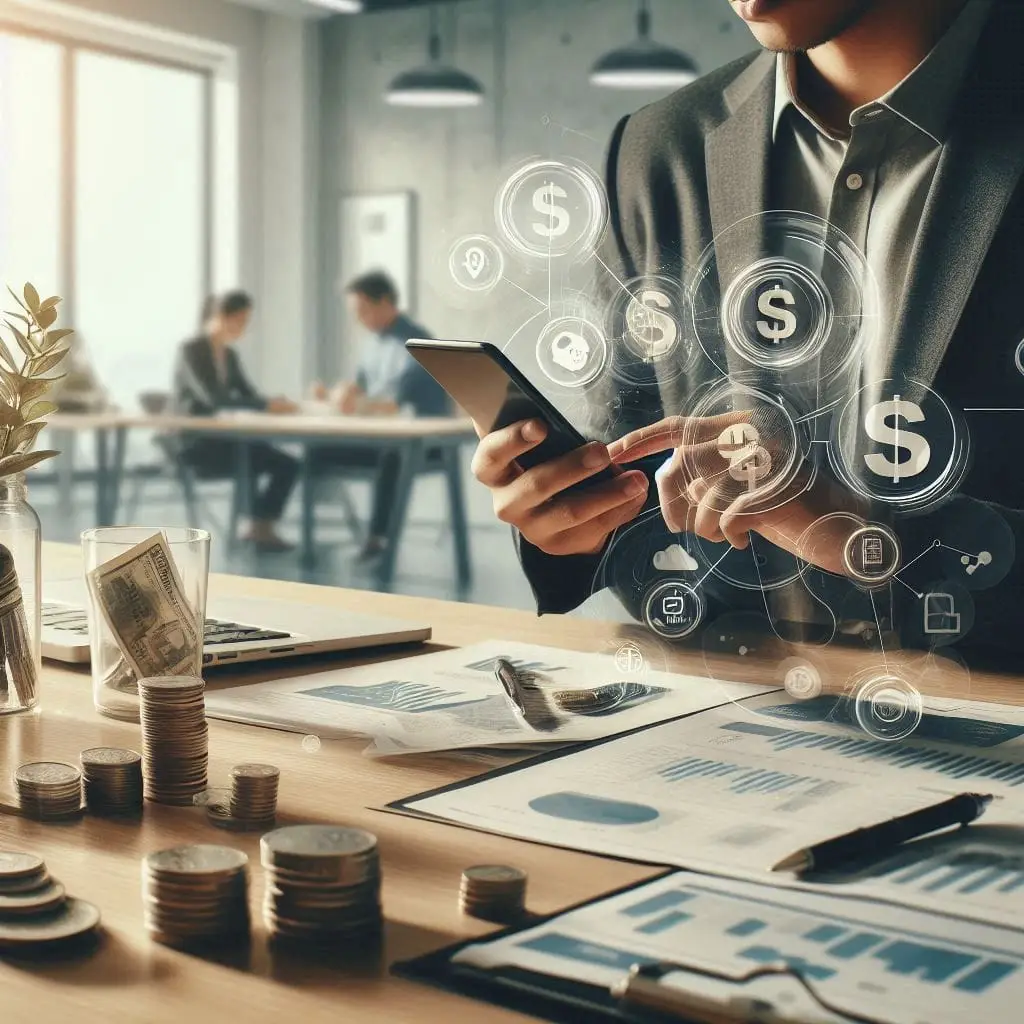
(131, 979)
(409, 438)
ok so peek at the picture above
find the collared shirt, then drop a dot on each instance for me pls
(873, 181)
(388, 373)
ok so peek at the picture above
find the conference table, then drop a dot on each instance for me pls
(420, 445)
(130, 978)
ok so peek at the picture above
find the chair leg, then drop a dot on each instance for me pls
(348, 510)
(188, 493)
(457, 515)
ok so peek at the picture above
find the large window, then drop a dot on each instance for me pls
(119, 191)
(140, 265)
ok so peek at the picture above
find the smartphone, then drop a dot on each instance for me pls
(488, 386)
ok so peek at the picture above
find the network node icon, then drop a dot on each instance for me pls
(476, 263)
(674, 610)
(571, 351)
(872, 555)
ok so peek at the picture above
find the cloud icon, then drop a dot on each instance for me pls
(675, 558)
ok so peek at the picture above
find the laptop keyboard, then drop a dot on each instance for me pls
(69, 619)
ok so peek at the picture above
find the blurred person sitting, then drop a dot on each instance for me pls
(388, 382)
(209, 379)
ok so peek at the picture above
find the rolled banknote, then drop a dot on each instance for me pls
(142, 600)
(15, 641)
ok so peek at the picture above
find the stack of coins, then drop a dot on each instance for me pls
(493, 892)
(323, 884)
(196, 894)
(254, 794)
(174, 738)
(113, 781)
(49, 790)
(34, 910)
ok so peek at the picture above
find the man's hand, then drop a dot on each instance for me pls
(534, 502)
(346, 398)
(281, 406)
(697, 493)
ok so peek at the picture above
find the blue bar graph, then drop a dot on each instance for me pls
(985, 976)
(929, 963)
(742, 779)
(769, 955)
(854, 946)
(943, 762)
(751, 926)
(663, 923)
(967, 872)
(663, 901)
(825, 933)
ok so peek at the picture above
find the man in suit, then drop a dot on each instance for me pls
(900, 122)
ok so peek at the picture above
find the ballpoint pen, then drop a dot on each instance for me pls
(877, 840)
(529, 700)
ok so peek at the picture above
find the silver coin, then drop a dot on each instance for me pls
(74, 918)
(314, 841)
(48, 898)
(15, 865)
(494, 873)
(171, 683)
(255, 771)
(199, 860)
(101, 757)
(47, 773)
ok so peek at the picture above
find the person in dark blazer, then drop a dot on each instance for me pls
(902, 124)
(209, 379)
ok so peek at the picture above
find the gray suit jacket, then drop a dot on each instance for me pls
(685, 168)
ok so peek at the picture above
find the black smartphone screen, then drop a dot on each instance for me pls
(489, 388)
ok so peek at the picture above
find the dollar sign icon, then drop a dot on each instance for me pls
(878, 428)
(649, 326)
(783, 324)
(749, 462)
(558, 218)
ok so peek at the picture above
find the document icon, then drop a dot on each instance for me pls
(940, 615)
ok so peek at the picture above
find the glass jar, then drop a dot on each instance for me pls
(20, 597)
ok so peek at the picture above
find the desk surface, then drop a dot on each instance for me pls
(133, 979)
(266, 425)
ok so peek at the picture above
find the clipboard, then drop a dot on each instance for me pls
(528, 992)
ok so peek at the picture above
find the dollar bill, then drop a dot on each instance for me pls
(17, 662)
(142, 599)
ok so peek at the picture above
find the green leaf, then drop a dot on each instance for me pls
(9, 416)
(34, 389)
(52, 337)
(22, 438)
(53, 300)
(24, 344)
(5, 354)
(18, 299)
(21, 316)
(48, 360)
(37, 411)
(32, 298)
(13, 464)
(47, 317)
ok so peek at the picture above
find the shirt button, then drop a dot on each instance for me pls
(854, 182)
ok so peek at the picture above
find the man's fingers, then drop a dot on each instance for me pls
(735, 522)
(671, 433)
(532, 488)
(494, 460)
(574, 511)
(598, 529)
(707, 518)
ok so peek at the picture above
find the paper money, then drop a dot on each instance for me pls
(142, 599)
(16, 657)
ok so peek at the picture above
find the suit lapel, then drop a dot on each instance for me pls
(978, 172)
(738, 158)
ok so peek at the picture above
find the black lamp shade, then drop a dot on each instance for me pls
(644, 64)
(435, 85)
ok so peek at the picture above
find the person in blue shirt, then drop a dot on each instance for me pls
(388, 382)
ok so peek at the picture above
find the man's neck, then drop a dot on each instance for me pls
(386, 329)
(872, 57)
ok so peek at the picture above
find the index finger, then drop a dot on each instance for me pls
(494, 459)
(671, 432)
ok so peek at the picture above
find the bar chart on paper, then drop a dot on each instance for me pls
(890, 964)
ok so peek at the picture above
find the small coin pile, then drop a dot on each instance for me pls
(34, 909)
(323, 884)
(49, 790)
(251, 803)
(493, 892)
(193, 895)
(174, 738)
(113, 781)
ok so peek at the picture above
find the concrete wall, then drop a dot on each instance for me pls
(533, 57)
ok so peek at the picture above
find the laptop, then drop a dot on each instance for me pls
(238, 629)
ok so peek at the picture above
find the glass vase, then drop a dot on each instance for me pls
(20, 597)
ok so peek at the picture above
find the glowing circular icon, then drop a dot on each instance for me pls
(754, 449)
(629, 659)
(571, 351)
(943, 614)
(776, 314)
(476, 263)
(1018, 358)
(552, 208)
(801, 679)
(673, 610)
(872, 555)
(886, 706)
(646, 324)
(784, 291)
(899, 444)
